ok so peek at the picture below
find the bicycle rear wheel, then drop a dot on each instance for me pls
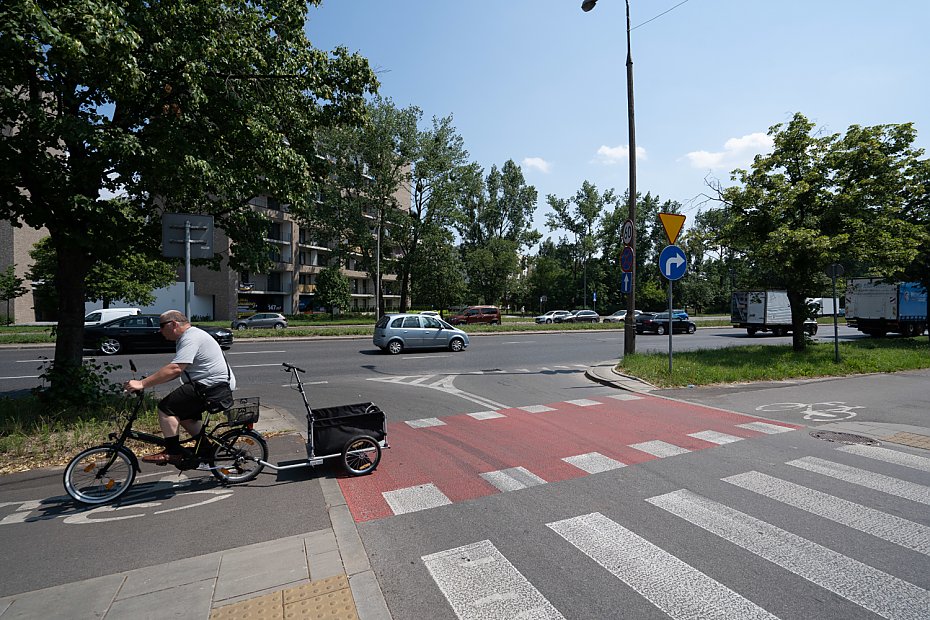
(99, 475)
(236, 457)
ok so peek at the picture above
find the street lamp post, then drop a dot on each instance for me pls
(629, 332)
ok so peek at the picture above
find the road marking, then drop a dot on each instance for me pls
(765, 427)
(868, 587)
(486, 415)
(625, 397)
(583, 402)
(894, 457)
(593, 462)
(413, 499)
(715, 437)
(253, 365)
(513, 479)
(420, 380)
(423, 357)
(658, 448)
(670, 584)
(23, 377)
(879, 524)
(445, 384)
(481, 584)
(870, 480)
(425, 423)
(251, 352)
(536, 408)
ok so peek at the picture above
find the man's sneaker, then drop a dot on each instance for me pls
(203, 466)
(163, 458)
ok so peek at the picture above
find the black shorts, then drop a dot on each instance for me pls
(183, 403)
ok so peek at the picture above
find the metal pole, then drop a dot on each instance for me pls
(187, 269)
(629, 335)
(378, 273)
(669, 327)
(836, 329)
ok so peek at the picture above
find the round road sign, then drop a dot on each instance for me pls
(627, 232)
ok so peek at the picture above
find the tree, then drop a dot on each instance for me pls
(332, 289)
(818, 200)
(438, 276)
(183, 105)
(11, 287)
(496, 223)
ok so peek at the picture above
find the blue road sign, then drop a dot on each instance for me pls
(626, 259)
(672, 262)
(626, 282)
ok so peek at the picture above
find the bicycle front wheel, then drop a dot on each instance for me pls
(236, 457)
(99, 475)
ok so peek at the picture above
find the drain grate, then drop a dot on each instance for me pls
(847, 438)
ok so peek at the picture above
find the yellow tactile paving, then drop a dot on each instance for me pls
(324, 599)
(910, 439)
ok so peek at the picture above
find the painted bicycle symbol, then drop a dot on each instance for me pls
(818, 412)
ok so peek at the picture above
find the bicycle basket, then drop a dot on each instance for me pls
(243, 411)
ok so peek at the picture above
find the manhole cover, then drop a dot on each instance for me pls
(844, 438)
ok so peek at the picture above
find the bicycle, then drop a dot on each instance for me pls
(232, 451)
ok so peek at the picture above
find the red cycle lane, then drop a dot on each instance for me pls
(444, 463)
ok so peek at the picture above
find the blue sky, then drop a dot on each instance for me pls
(544, 84)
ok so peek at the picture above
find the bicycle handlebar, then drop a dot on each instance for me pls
(290, 367)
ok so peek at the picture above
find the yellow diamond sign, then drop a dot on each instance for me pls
(672, 223)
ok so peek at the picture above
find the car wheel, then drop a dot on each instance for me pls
(279, 325)
(660, 330)
(812, 330)
(456, 345)
(495, 323)
(110, 346)
(751, 331)
(692, 329)
(548, 321)
(395, 346)
(240, 326)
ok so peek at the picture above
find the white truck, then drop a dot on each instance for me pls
(765, 311)
(876, 308)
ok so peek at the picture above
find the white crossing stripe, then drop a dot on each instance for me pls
(425, 423)
(670, 584)
(419, 380)
(486, 415)
(879, 524)
(513, 479)
(870, 480)
(658, 448)
(894, 457)
(765, 427)
(536, 408)
(625, 397)
(877, 591)
(583, 402)
(715, 437)
(481, 584)
(593, 462)
(412, 499)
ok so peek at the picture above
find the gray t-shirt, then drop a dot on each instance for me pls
(204, 357)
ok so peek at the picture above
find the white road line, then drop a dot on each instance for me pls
(251, 352)
(868, 587)
(765, 427)
(481, 584)
(425, 423)
(419, 380)
(658, 448)
(593, 462)
(670, 584)
(423, 357)
(879, 524)
(253, 365)
(486, 415)
(870, 480)
(513, 479)
(894, 457)
(22, 377)
(413, 499)
(715, 437)
(536, 408)
(583, 402)
(625, 397)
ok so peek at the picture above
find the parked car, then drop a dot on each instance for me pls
(550, 316)
(580, 316)
(620, 316)
(105, 315)
(488, 315)
(267, 320)
(658, 323)
(429, 313)
(397, 332)
(140, 332)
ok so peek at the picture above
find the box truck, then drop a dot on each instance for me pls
(876, 308)
(765, 311)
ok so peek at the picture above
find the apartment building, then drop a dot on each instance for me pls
(15, 244)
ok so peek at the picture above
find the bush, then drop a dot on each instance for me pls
(77, 387)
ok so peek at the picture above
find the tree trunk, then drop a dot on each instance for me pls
(73, 266)
(798, 316)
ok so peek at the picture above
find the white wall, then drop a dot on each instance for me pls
(168, 298)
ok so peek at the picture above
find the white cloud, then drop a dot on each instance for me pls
(538, 163)
(611, 155)
(736, 153)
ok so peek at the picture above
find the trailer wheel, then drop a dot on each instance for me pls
(751, 331)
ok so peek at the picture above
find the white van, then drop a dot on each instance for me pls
(108, 314)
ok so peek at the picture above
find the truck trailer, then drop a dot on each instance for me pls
(877, 308)
(765, 311)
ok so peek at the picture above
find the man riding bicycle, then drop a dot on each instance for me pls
(207, 383)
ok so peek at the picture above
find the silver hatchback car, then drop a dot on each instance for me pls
(268, 320)
(396, 332)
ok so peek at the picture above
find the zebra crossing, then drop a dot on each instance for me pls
(479, 582)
